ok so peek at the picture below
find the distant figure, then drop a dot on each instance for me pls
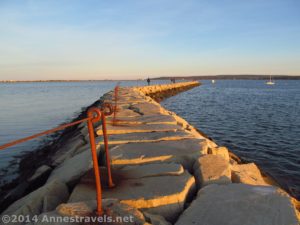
(148, 81)
(173, 80)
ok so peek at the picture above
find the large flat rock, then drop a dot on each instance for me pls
(72, 169)
(145, 137)
(41, 172)
(222, 151)
(155, 219)
(184, 151)
(68, 150)
(147, 108)
(121, 95)
(163, 195)
(212, 169)
(240, 204)
(127, 113)
(44, 199)
(118, 212)
(139, 128)
(149, 119)
(123, 99)
(150, 170)
(247, 174)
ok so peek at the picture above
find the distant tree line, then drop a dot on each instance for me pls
(231, 77)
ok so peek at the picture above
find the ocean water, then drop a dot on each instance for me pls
(29, 108)
(259, 123)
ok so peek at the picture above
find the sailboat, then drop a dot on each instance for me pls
(270, 82)
(213, 81)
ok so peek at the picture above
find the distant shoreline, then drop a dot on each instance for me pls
(45, 81)
(200, 77)
(232, 77)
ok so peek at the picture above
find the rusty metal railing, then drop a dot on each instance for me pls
(104, 130)
(93, 115)
(116, 96)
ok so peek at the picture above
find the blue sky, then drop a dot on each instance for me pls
(59, 39)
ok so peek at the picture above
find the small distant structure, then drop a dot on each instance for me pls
(148, 81)
(173, 80)
(270, 82)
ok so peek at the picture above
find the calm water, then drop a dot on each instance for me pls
(259, 123)
(29, 108)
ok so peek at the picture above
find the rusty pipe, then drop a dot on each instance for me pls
(105, 138)
(41, 134)
(116, 105)
(92, 119)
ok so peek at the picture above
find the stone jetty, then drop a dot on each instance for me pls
(164, 170)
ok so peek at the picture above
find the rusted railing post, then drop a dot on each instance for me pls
(92, 119)
(116, 104)
(105, 138)
(110, 182)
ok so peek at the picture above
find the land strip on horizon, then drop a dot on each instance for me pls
(232, 77)
(199, 77)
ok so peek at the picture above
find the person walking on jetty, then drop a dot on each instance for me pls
(148, 81)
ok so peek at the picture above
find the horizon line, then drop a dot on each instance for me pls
(141, 79)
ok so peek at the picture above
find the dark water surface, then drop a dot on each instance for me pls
(259, 123)
(29, 108)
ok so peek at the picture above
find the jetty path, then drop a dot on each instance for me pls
(164, 172)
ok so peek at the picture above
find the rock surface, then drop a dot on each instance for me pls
(127, 113)
(184, 152)
(163, 194)
(147, 109)
(72, 169)
(145, 137)
(81, 213)
(155, 219)
(40, 172)
(236, 204)
(247, 174)
(148, 90)
(41, 200)
(152, 119)
(212, 169)
(68, 150)
(150, 170)
(140, 128)
(222, 151)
